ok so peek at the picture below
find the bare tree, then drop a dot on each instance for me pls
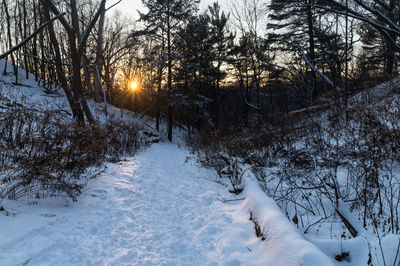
(76, 45)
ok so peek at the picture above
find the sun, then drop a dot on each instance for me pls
(134, 85)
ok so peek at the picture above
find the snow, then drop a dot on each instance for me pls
(285, 244)
(381, 91)
(31, 95)
(390, 245)
(161, 208)
(344, 209)
(29, 92)
(357, 248)
(158, 208)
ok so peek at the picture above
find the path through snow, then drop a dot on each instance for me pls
(154, 209)
(157, 208)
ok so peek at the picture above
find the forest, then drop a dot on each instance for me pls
(300, 96)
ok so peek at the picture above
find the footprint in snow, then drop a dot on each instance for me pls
(98, 193)
(48, 215)
(234, 262)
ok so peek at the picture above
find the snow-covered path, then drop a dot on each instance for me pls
(155, 209)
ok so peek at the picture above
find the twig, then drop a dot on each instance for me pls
(229, 200)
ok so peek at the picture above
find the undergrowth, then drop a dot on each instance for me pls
(45, 154)
(310, 163)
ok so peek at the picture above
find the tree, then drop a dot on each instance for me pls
(247, 20)
(164, 20)
(383, 16)
(98, 87)
(294, 20)
(194, 72)
(10, 46)
(221, 39)
(381, 52)
(76, 46)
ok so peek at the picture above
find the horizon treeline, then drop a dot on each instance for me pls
(256, 61)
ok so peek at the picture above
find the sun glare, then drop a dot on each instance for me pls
(134, 85)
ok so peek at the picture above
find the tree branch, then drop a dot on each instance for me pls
(41, 27)
(56, 11)
(85, 35)
(301, 49)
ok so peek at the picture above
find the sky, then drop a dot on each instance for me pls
(129, 7)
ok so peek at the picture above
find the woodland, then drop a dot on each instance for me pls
(303, 94)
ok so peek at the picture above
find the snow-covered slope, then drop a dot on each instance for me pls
(31, 95)
(378, 92)
(28, 92)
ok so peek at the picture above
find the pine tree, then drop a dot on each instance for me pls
(164, 20)
(221, 39)
(372, 54)
(379, 48)
(294, 20)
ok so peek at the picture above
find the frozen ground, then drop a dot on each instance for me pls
(154, 209)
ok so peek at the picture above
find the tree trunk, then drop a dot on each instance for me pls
(76, 80)
(59, 68)
(170, 112)
(311, 55)
(99, 54)
(158, 102)
(8, 19)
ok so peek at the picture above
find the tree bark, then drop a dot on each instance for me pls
(8, 19)
(169, 112)
(99, 54)
(311, 50)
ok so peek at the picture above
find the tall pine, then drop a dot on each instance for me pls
(163, 21)
(293, 27)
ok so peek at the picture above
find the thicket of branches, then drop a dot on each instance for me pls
(46, 154)
(310, 167)
(70, 45)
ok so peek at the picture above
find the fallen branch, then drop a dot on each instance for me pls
(229, 200)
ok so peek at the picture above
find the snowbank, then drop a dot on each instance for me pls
(284, 244)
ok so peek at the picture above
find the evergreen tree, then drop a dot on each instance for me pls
(294, 22)
(164, 20)
(203, 48)
(372, 54)
(221, 39)
(379, 48)
(194, 72)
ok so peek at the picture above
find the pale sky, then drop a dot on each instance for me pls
(129, 7)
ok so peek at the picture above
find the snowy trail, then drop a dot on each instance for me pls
(157, 208)
(154, 209)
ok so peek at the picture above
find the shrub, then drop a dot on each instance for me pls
(123, 139)
(307, 167)
(45, 154)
